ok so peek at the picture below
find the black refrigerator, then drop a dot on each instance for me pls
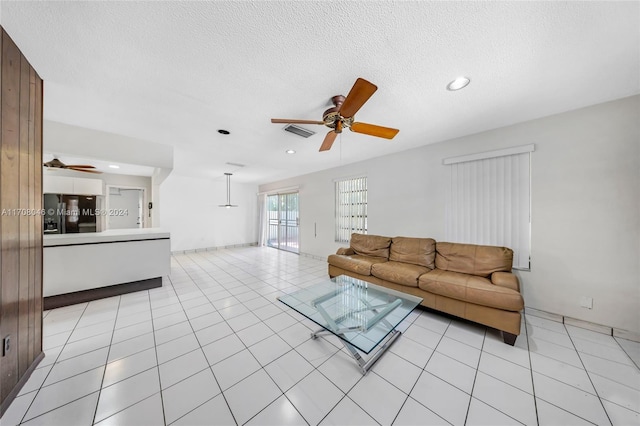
(68, 214)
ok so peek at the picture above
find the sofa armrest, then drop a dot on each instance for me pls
(348, 251)
(506, 279)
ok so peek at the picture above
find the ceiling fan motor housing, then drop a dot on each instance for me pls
(332, 116)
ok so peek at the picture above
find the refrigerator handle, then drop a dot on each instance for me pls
(62, 218)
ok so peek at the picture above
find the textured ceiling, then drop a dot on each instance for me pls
(175, 72)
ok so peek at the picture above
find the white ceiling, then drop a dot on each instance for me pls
(175, 72)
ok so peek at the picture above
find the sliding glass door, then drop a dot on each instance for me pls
(283, 221)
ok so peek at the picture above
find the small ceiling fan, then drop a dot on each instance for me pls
(342, 115)
(57, 164)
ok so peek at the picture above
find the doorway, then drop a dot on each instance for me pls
(125, 207)
(283, 221)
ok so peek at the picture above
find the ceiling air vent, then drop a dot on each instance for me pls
(234, 164)
(300, 131)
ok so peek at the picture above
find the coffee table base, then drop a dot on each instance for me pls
(364, 365)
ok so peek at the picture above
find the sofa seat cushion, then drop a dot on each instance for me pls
(471, 289)
(370, 245)
(473, 259)
(418, 251)
(355, 263)
(398, 272)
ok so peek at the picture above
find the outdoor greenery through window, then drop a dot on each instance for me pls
(351, 208)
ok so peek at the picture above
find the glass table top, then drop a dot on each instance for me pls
(360, 313)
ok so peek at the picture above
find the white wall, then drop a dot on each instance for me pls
(190, 212)
(585, 206)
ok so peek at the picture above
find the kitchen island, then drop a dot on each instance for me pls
(88, 266)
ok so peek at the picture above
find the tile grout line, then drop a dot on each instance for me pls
(106, 362)
(209, 366)
(533, 384)
(155, 350)
(52, 365)
(420, 375)
(292, 349)
(282, 393)
(576, 350)
(383, 378)
(589, 376)
(475, 377)
(625, 351)
(193, 281)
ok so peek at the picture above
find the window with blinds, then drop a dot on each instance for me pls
(351, 208)
(489, 201)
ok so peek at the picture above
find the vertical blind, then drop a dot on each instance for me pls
(489, 203)
(351, 208)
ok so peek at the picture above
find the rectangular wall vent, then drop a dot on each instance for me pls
(300, 131)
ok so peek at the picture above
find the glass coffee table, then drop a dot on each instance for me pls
(363, 315)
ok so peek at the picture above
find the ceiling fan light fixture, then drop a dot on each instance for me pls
(458, 83)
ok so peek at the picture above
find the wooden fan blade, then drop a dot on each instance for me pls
(55, 163)
(359, 94)
(373, 130)
(80, 166)
(83, 170)
(328, 141)
(292, 121)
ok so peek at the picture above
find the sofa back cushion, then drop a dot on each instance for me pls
(370, 245)
(473, 259)
(418, 251)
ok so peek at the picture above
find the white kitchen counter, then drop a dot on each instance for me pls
(113, 235)
(127, 258)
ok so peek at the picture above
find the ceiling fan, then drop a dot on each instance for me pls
(57, 164)
(342, 115)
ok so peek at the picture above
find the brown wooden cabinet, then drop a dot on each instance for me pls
(20, 219)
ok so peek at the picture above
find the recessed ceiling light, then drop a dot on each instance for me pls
(458, 83)
(113, 166)
(223, 131)
(290, 151)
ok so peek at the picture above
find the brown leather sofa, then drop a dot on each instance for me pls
(469, 281)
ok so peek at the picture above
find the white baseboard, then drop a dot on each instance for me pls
(205, 249)
(599, 328)
(627, 335)
(589, 325)
(313, 256)
(543, 314)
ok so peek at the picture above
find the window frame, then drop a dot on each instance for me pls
(350, 204)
